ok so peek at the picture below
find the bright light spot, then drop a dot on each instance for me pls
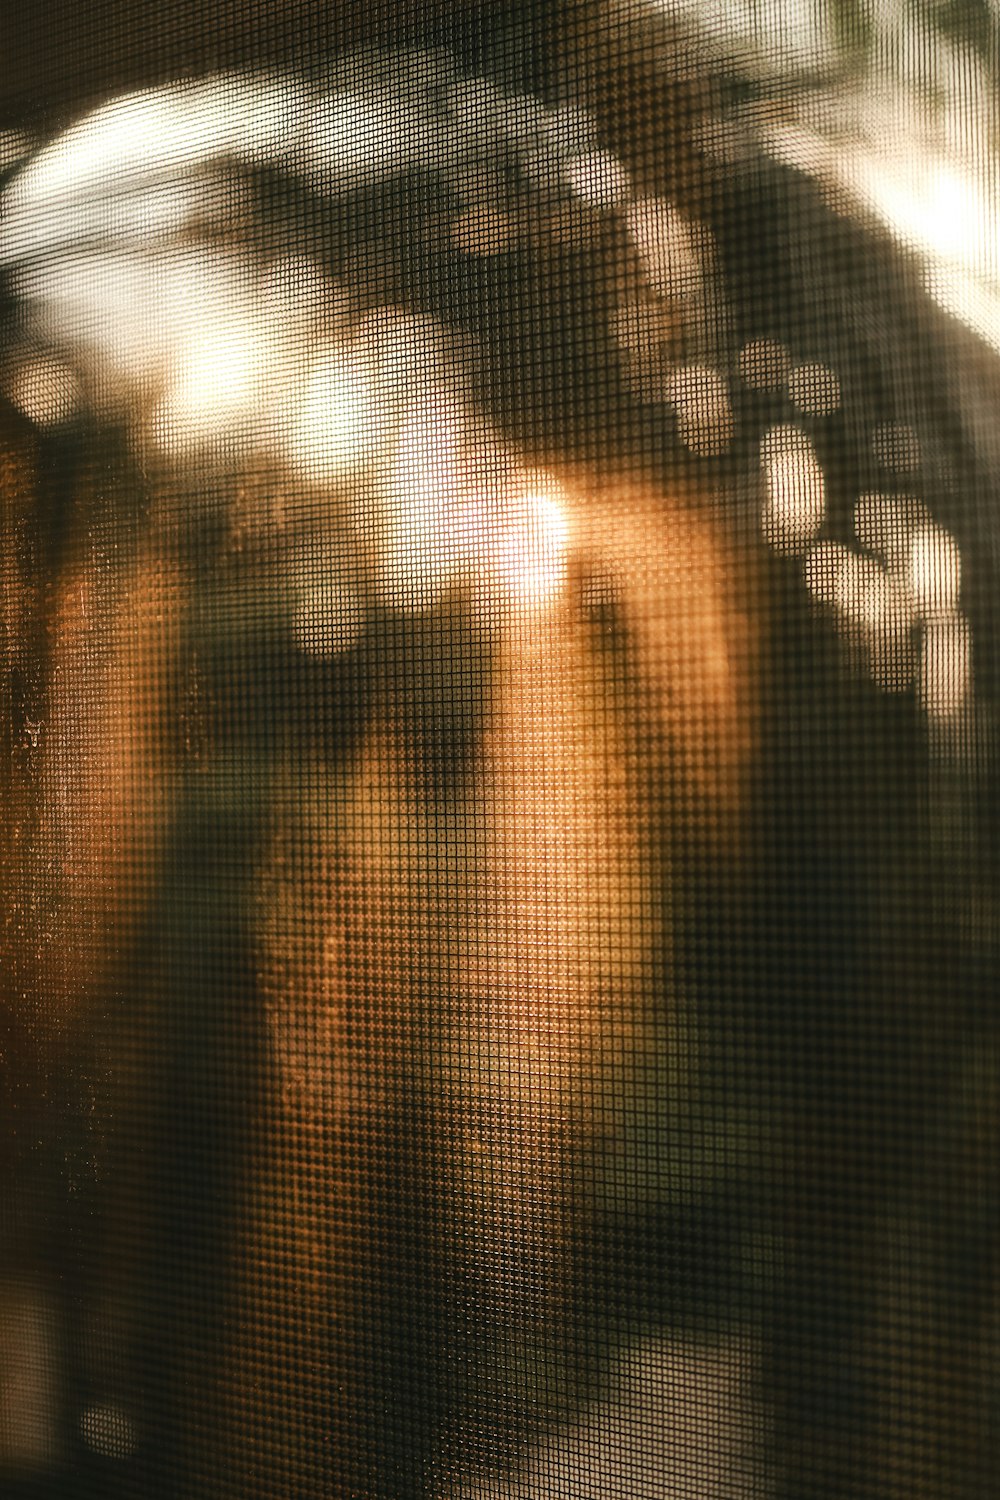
(422, 507)
(778, 36)
(353, 134)
(867, 594)
(329, 620)
(46, 391)
(673, 251)
(357, 394)
(108, 1430)
(886, 524)
(704, 414)
(116, 312)
(133, 135)
(795, 492)
(598, 178)
(946, 667)
(874, 607)
(135, 166)
(136, 210)
(202, 346)
(217, 380)
(764, 364)
(932, 202)
(935, 571)
(976, 303)
(264, 115)
(832, 573)
(861, 590)
(125, 136)
(336, 423)
(533, 548)
(896, 447)
(814, 389)
(185, 327)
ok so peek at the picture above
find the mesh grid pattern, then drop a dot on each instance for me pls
(498, 668)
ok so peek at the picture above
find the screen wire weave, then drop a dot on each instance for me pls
(498, 696)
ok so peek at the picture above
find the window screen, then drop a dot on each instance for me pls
(498, 664)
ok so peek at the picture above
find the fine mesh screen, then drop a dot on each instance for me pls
(498, 574)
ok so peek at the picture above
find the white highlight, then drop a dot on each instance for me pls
(599, 178)
(356, 136)
(874, 608)
(794, 488)
(934, 202)
(139, 142)
(329, 620)
(335, 423)
(533, 551)
(846, 579)
(174, 324)
(215, 384)
(935, 571)
(704, 413)
(45, 390)
(421, 508)
(886, 523)
(909, 592)
(673, 251)
(775, 37)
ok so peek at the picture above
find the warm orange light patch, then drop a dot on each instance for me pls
(498, 940)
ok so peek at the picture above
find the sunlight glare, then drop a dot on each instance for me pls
(329, 619)
(795, 490)
(533, 552)
(935, 571)
(599, 178)
(421, 507)
(45, 390)
(336, 422)
(216, 382)
(672, 250)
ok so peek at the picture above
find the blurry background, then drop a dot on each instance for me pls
(794, 1287)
